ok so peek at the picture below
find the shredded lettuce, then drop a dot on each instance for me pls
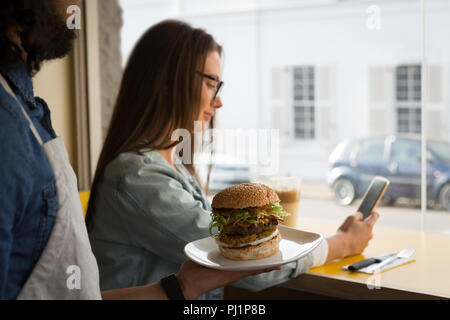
(276, 207)
(217, 221)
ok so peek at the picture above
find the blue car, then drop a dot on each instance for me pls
(398, 158)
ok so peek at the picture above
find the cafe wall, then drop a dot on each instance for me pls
(110, 25)
(54, 83)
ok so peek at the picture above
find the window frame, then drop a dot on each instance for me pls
(304, 104)
(410, 104)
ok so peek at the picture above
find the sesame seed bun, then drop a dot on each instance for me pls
(260, 251)
(244, 195)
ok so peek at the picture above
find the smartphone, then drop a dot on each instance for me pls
(373, 195)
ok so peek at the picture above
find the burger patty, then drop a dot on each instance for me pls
(238, 240)
(250, 228)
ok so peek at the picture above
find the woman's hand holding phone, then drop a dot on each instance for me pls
(352, 237)
(357, 232)
(354, 234)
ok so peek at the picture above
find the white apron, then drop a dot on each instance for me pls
(67, 268)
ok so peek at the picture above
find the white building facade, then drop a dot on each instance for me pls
(319, 71)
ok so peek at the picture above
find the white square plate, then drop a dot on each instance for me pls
(293, 245)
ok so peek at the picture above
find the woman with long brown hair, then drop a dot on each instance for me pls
(145, 205)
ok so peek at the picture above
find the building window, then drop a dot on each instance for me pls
(304, 111)
(408, 98)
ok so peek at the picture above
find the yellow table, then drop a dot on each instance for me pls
(426, 277)
(84, 198)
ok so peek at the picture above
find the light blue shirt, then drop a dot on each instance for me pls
(146, 212)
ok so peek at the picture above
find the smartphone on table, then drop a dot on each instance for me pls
(373, 195)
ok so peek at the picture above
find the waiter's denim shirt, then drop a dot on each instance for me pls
(145, 213)
(28, 200)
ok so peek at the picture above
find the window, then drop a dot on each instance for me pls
(304, 111)
(408, 96)
(403, 150)
(441, 149)
(371, 150)
(322, 73)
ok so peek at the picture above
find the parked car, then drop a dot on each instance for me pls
(398, 158)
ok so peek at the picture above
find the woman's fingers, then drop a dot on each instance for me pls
(372, 219)
(347, 223)
(358, 231)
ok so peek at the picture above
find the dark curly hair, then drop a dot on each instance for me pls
(42, 33)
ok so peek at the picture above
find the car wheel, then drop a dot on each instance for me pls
(444, 197)
(344, 192)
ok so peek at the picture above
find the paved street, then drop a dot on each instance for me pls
(317, 202)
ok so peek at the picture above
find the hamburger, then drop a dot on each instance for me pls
(246, 217)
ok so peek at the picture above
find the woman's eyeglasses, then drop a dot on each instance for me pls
(219, 83)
